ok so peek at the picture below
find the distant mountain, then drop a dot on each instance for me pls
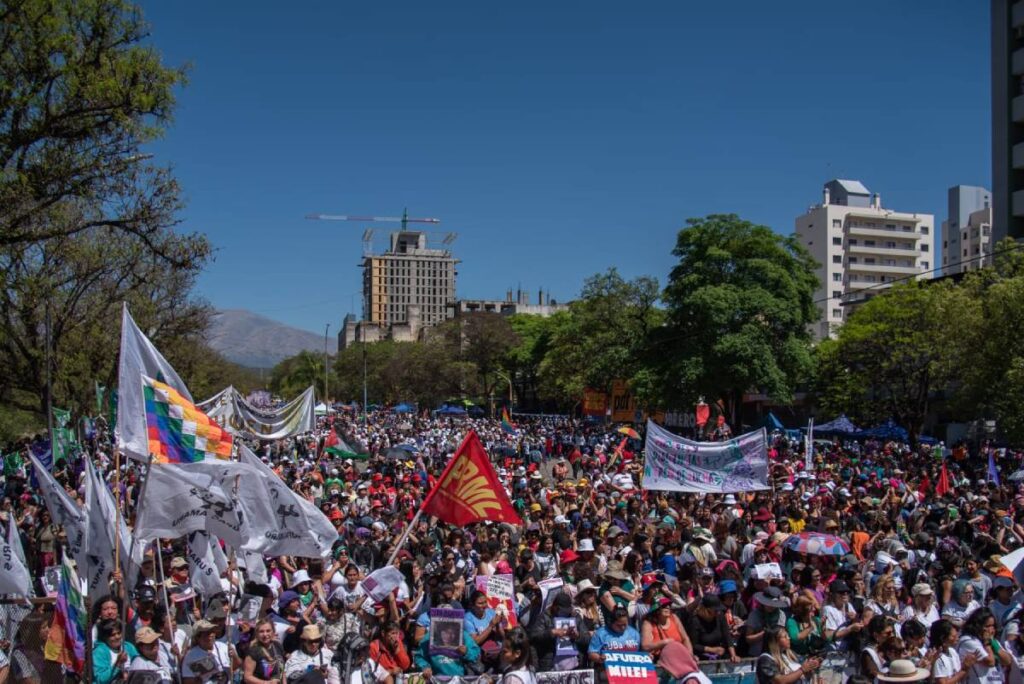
(256, 341)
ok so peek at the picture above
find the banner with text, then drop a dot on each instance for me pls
(675, 464)
(230, 409)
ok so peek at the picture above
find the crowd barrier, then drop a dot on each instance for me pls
(13, 611)
(834, 670)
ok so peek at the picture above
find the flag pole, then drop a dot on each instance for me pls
(135, 539)
(405, 536)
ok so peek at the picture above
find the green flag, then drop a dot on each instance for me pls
(12, 464)
(61, 417)
(100, 390)
(63, 438)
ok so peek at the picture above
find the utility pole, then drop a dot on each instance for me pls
(49, 382)
(362, 334)
(326, 361)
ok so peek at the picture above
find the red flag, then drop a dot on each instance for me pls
(332, 439)
(468, 490)
(943, 485)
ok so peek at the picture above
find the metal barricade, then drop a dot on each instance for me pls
(834, 670)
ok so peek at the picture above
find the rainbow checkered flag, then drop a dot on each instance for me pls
(177, 431)
(65, 643)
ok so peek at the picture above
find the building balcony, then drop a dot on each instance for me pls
(902, 250)
(1017, 15)
(1018, 156)
(880, 268)
(901, 232)
(1017, 62)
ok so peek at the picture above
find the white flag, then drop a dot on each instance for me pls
(199, 497)
(102, 511)
(65, 512)
(295, 527)
(15, 578)
(138, 357)
(202, 567)
(254, 566)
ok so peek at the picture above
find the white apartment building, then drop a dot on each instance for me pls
(861, 248)
(967, 230)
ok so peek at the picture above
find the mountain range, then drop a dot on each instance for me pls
(256, 341)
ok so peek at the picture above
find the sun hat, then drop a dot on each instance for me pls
(201, 626)
(729, 500)
(772, 597)
(298, 577)
(285, 598)
(585, 585)
(568, 556)
(179, 562)
(922, 589)
(311, 633)
(904, 671)
(585, 545)
(615, 571)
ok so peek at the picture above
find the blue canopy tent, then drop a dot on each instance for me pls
(840, 426)
(769, 423)
(450, 410)
(887, 430)
(925, 439)
(404, 408)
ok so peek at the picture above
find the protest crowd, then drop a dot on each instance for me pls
(529, 552)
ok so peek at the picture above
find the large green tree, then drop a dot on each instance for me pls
(739, 305)
(602, 337)
(895, 353)
(81, 94)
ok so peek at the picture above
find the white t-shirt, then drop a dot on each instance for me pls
(947, 664)
(163, 666)
(910, 613)
(206, 665)
(956, 613)
(979, 673)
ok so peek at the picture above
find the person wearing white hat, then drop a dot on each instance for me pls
(312, 656)
(904, 671)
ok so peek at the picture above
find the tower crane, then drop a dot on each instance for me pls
(404, 219)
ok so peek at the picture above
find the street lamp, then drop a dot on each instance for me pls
(326, 361)
(507, 379)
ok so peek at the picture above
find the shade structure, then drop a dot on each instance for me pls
(840, 426)
(887, 430)
(817, 544)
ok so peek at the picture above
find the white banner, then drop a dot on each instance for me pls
(235, 414)
(676, 464)
(291, 526)
(138, 357)
(381, 582)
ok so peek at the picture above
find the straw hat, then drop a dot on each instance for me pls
(311, 633)
(904, 671)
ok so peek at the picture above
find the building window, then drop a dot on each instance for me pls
(924, 247)
(837, 294)
(890, 245)
(853, 260)
(924, 230)
(926, 265)
(837, 258)
(837, 223)
(837, 241)
(837, 313)
(837, 277)
(869, 243)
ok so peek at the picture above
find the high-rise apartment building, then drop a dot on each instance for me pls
(861, 248)
(408, 274)
(967, 230)
(1007, 119)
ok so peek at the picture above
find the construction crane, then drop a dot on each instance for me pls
(447, 238)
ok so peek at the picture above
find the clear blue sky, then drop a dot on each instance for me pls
(557, 138)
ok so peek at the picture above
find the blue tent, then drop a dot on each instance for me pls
(404, 408)
(840, 426)
(887, 430)
(450, 410)
(925, 439)
(769, 423)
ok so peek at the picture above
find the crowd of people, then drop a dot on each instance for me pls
(910, 586)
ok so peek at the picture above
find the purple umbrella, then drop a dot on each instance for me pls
(817, 544)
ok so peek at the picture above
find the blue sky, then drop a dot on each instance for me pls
(557, 139)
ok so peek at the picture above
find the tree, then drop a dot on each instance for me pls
(895, 349)
(486, 340)
(602, 337)
(80, 97)
(523, 361)
(294, 375)
(739, 306)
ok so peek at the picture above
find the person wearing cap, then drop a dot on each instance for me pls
(208, 660)
(922, 607)
(313, 657)
(661, 626)
(151, 658)
(709, 632)
(768, 613)
(841, 619)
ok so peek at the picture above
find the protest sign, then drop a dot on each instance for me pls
(500, 596)
(549, 589)
(446, 631)
(382, 582)
(629, 667)
(767, 571)
(566, 677)
(676, 464)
